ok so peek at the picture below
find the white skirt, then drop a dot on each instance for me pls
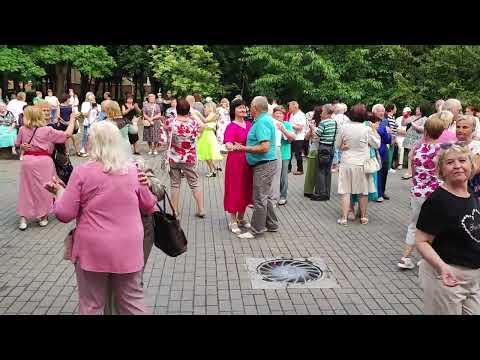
(353, 180)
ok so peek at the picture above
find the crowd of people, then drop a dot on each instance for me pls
(261, 141)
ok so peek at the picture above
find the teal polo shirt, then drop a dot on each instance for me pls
(261, 130)
(286, 147)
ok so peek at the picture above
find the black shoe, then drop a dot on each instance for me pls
(386, 197)
(319, 198)
(307, 195)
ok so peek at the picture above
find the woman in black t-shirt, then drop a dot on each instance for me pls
(66, 110)
(448, 238)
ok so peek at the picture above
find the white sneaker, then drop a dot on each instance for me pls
(155, 152)
(43, 222)
(282, 201)
(23, 224)
(393, 171)
(150, 152)
(246, 235)
(380, 199)
(406, 263)
(234, 228)
(400, 167)
(244, 223)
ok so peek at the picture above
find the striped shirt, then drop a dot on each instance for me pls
(326, 131)
(392, 124)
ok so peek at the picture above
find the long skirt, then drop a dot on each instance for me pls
(7, 136)
(309, 184)
(238, 183)
(34, 201)
(154, 133)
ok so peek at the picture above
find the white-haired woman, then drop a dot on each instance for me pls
(447, 238)
(106, 199)
(341, 119)
(90, 112)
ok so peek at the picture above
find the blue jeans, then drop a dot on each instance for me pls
(53, 113)
(85, 137)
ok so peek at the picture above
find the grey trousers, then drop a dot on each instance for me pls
(263, 217)
(284, 179)
(277, 176)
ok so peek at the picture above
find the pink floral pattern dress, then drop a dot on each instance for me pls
(425, 180)
(222, 123)
(183, 134)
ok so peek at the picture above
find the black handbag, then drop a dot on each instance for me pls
(326, 152)
(168, 235)
(62, 162)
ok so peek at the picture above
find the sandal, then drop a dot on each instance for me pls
(342, 222)
(364, 221)
(200, 215)
(234, 228)
(211, 175)
(351, 216)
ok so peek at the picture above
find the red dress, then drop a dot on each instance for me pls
(238, 174)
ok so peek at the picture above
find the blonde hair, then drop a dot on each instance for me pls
(113, 110)
(107, 147)
(439, 105)
(446, 116)
(456, 148)
(224, 100)
(435, 125)
(33, 117)
(90, 96)
(210, 107)
(21, 96)
(451, 104)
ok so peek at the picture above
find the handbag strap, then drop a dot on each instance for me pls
(169, 202)
(34, 131)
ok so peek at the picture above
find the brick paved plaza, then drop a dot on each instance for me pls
(212, 277)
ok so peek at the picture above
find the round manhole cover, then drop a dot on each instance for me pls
(291, 271)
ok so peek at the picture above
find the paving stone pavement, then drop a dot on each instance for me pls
(212, 278)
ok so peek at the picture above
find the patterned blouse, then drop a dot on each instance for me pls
(183, 149)
(425, 179)
(7, 120)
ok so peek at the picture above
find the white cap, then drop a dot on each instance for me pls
(407, 109)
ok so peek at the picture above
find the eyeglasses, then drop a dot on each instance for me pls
(448, 145)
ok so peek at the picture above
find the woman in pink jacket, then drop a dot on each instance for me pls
(105, 197)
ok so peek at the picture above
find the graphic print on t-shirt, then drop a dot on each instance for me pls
(471, 224)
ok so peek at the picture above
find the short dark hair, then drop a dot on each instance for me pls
(64, 98)
(390, 107)
(183, 107)
(473, 108)
(358, 113)
(235, 103)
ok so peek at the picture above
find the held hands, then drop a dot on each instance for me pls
(55, 185)
(389, 130)
(239, 147)
(143, 178)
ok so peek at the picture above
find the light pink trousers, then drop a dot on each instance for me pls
(92, 291)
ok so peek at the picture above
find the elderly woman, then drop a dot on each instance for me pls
(414, 134)
(354, 139)
(37, 168)
(90, 111)
(16, 105)
(238, 175)
(341, 119)
(8, 131)
(153, 132)
(182, 131)
(114, 114)
(447, 238)
(385, 132)
(54, 104)
(455, 107)
(106, 199)
(223, 121)
(130, 111)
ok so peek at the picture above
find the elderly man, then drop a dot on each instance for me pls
(299, 124)
(260, 154)
(194, 112)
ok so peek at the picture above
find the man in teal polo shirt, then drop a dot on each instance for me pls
(260, 154)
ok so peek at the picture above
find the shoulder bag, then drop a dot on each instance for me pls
(371, 165)
(168, 235)
(326, 152)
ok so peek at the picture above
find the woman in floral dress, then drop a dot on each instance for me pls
(153, 134)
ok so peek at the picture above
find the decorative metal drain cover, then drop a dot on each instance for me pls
(291, 271)
(281, 273)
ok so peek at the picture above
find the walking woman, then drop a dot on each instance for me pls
(313, 139)
(354, 139)
(447, 238)
(208, 147)
(66, 109)
(153, 133)
(106, 199)
(182, 131)
(90, 111)
(37, 168)
(130, 112)
(414, 134)
(238, 174)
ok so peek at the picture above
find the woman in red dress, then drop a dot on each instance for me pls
(238, 174)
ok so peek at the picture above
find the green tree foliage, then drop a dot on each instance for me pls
(187, 69)
(15, 61)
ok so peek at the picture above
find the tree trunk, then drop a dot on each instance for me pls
(84, 85)
(118, 88)
(4, 85)
(16, 86)
(97, 86)
(69, 78)
(142, 87)
(61, 75)
(135, 87)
